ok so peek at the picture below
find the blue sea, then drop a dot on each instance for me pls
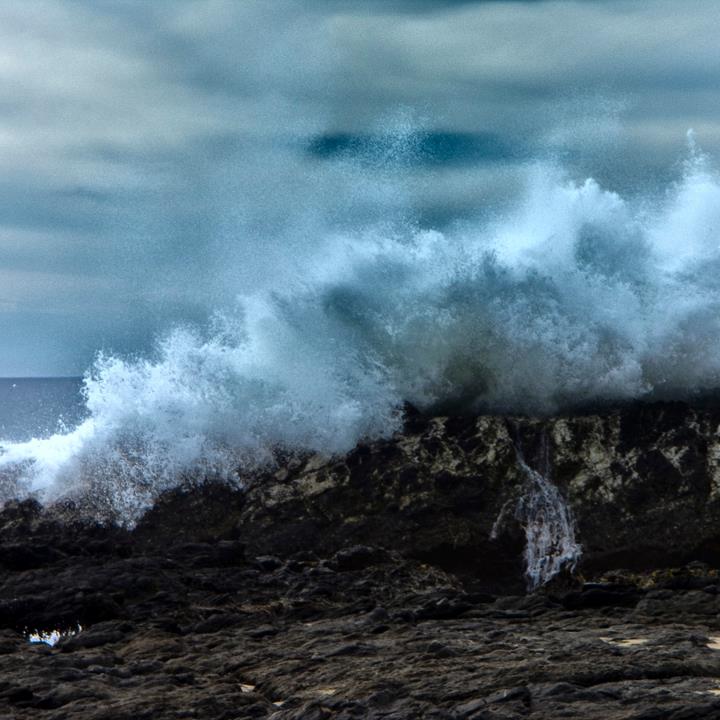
(39, 407)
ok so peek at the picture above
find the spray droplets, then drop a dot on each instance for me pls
(575, 296)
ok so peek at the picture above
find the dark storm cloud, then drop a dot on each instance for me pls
(426, 148)
(155, 156)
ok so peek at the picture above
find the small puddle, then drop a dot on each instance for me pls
(52, 637)
(625, 642)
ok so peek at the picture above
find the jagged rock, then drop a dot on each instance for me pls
(642, 482)
(372, 586)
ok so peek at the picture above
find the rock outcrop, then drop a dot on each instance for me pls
(642, 482)
(388, 583)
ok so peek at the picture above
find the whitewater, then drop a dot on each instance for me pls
(572, 295)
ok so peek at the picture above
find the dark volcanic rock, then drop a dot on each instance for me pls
(643, 484)
(362, 633)
(433, 495)
(369, 586)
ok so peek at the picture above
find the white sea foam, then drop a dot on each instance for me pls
(574, 295)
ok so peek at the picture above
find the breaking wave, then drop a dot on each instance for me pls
(574, 295)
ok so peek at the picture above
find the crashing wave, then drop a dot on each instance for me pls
(576, 295)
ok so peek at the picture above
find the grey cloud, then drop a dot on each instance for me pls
(158, 158)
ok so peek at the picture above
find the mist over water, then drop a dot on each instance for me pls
(39, 407)
(570, 295)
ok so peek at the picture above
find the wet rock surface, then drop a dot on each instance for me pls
(642, 482)
(203, 630)
(369, 587)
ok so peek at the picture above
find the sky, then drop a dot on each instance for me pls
(159, 158)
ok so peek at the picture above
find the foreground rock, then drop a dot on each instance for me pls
(204, 630)
(374, 586)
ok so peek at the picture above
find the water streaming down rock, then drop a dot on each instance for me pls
(547, 520)
(549, 530)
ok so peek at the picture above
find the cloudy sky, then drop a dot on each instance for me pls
(158, 158)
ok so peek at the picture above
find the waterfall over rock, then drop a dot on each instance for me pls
(545, 517)
(549, 528)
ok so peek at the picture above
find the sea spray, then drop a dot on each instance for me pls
(575, 295)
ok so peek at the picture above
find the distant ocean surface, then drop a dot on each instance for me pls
(39, 407)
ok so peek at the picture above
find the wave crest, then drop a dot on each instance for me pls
(575, 296)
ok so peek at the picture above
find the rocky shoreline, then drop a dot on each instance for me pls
(374, 586)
